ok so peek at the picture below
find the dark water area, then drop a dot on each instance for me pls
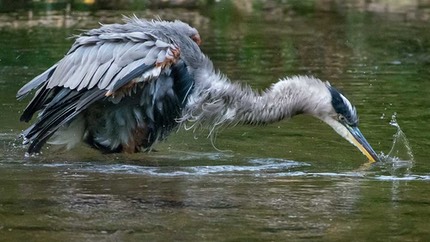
(290, 181)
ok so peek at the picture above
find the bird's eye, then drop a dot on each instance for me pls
(342, 118)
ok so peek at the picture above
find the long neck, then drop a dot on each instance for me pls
(216, 101)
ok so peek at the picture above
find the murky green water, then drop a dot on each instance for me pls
(295, 180)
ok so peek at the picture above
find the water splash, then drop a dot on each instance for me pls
(400, 158)
(401, 147)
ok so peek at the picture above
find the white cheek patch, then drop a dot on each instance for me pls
(344, 132)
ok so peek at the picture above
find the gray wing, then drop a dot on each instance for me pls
(107, 61)
(95, 67)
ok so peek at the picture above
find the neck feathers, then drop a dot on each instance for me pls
(216, 101)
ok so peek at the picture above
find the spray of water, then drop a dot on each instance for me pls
(400, 159)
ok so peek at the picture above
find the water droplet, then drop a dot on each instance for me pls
(396, 62)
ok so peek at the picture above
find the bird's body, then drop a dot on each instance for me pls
(123, 87)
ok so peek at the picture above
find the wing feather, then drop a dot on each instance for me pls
(105, 53)
(91, 71)
(98, 75)
(109, 76)
(129, 76)
(161, 56)
(59, 114)
(89, 65)
(74, 80)
(35, 83)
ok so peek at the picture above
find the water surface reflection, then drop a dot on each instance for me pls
(276, 200)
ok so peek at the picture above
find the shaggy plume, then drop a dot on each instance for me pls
(217, 102)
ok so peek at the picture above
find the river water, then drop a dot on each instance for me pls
(289, 181)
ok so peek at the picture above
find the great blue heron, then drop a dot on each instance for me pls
(123, 87)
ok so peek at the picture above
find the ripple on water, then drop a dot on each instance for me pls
(270, 165)
(265, 168)
(259, 167)
(253, 165)
(404, 178)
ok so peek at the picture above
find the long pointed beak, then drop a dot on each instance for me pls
(356, 138)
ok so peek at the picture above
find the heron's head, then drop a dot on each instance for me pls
(342, 117)
(184, 28)
(178, 29)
